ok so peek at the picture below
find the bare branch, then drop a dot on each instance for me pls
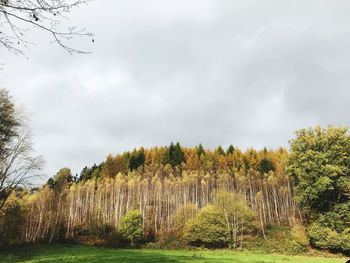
(17, 18)
(18, 165)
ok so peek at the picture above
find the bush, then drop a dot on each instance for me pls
(115, 239)
(207, 229)
(96, 234)
(12, 219)
(181, 216)
(280, 239)
(345, 240)
(326, 238)
(300, 240)
(167, 240)
(130, 226)
(332, 229)
(338, 218)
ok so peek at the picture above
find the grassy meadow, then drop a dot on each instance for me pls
(77, 253)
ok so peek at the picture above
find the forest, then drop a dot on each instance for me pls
(287, 200)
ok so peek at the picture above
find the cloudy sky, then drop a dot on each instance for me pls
(247, 73)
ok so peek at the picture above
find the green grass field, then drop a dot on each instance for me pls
(75, 253)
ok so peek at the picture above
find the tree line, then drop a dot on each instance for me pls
(158, 189)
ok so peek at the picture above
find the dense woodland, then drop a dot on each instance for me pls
(193, 196)
(163, 180)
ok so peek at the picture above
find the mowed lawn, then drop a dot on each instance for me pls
(76, 253)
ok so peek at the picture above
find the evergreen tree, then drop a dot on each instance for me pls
(230, 149)
(266, 166)
(89, 173)
(136, 159)
(174, 155)
(84, 174)
(60, 180)
(219, 150)
(200, 150)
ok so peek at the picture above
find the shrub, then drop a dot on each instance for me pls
(12, 219)
(207, 229)
(300, 240)
(324, 237)
(345, 240)
(115, 239)
(181, 216)
(280, 239)
(168, 240)
(95, 234)
(130, 226)
(338, 218)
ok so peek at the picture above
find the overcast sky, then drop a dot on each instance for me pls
(247, 73)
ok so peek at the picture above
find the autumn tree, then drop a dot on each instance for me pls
(109, 167)
(240, 219)
(60, 180)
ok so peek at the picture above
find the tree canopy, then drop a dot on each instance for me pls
(319, 162)
(320, 165)
(175, 155)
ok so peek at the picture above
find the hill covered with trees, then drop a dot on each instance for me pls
(159, 182)
(175, 196)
